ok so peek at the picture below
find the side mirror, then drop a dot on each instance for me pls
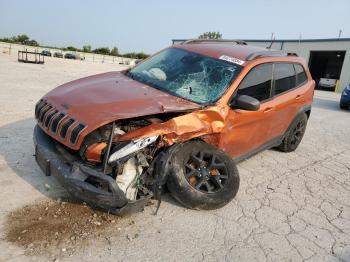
(246, 103)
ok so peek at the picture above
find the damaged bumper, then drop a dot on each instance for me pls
(80, 180)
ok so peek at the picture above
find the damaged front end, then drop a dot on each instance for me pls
(88, 183)
(121, 165)
(104, 172)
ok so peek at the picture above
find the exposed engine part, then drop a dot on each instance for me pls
(118, 131)
(132, 170)
(132, 147)
(126, 180)
(94, 152)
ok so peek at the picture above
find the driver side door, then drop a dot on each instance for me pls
(245, 130)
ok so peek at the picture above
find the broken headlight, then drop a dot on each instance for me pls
(132, 147)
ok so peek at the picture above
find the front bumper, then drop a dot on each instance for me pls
(77, 178)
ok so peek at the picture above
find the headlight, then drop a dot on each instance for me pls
(132, 147)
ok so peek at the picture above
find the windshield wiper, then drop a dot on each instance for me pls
(131, 75)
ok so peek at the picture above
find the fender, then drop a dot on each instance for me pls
(306, 109)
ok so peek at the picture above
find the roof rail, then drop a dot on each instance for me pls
(195, 41)
(255, 55)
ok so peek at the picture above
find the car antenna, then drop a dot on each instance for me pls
(272, 40)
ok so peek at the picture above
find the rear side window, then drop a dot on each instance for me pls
(301, 75)
(257, 83)
(284, 76)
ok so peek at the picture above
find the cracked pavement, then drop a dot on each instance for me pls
(290, 206)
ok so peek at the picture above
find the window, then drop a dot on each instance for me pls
(301, 75)
(188, 75)
(257, 83)
(284, 76)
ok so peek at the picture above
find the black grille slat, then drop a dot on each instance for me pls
(65, 126)
(55, 122)
(43, 113)
(75, 133)
(38, 106)
(41, 109)
(49, 117)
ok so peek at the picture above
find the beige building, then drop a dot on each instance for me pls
(327, 58)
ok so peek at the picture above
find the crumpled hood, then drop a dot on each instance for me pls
(100, 99)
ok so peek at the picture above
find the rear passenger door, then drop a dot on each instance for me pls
(288, 93)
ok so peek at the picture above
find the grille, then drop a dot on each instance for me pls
(38, 107)
(65, 127)
(49, 116)
(43, 111)
(75, 133)
(57, 122)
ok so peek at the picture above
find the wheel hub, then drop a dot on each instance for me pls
(205, 172)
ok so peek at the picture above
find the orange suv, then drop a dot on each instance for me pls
(181, 119)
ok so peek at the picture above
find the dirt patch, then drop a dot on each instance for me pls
(54, 228)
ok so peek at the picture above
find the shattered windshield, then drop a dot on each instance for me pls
(192, 76)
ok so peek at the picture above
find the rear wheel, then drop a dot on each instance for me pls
(295, 134)
(202, 176)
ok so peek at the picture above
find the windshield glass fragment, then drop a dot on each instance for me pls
(188, 75)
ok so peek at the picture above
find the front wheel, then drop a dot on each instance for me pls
(202, 176)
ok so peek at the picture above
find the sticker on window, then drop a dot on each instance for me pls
(232, 59)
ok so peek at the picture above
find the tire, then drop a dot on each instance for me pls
(198, 182)
(294, 134)
(343, 107)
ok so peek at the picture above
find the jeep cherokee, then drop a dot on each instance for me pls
(181, 119)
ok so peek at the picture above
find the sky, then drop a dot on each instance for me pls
(151, 25)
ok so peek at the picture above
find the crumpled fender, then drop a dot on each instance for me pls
(196, 124)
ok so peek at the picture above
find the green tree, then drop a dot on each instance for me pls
(102, 51)
(114, 51)
(87, 48)
(71, 48)
(210, 35)
(21, 39)
(136, 55)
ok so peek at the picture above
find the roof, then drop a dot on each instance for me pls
(218, 49)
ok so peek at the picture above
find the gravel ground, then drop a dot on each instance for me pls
(293, 206)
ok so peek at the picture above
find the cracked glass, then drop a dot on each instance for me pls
(188, 75)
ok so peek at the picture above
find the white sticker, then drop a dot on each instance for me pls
(232, 59)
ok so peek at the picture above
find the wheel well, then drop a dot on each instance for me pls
(308, 112)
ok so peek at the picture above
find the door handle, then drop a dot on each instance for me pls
(298, 97)
(268, 109)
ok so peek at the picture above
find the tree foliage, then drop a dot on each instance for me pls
(114, 51)
(20, 39)
(102, 51)
(25, 40)
(210, 35)
(71, 48)
(136, 55)
(87, 49)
